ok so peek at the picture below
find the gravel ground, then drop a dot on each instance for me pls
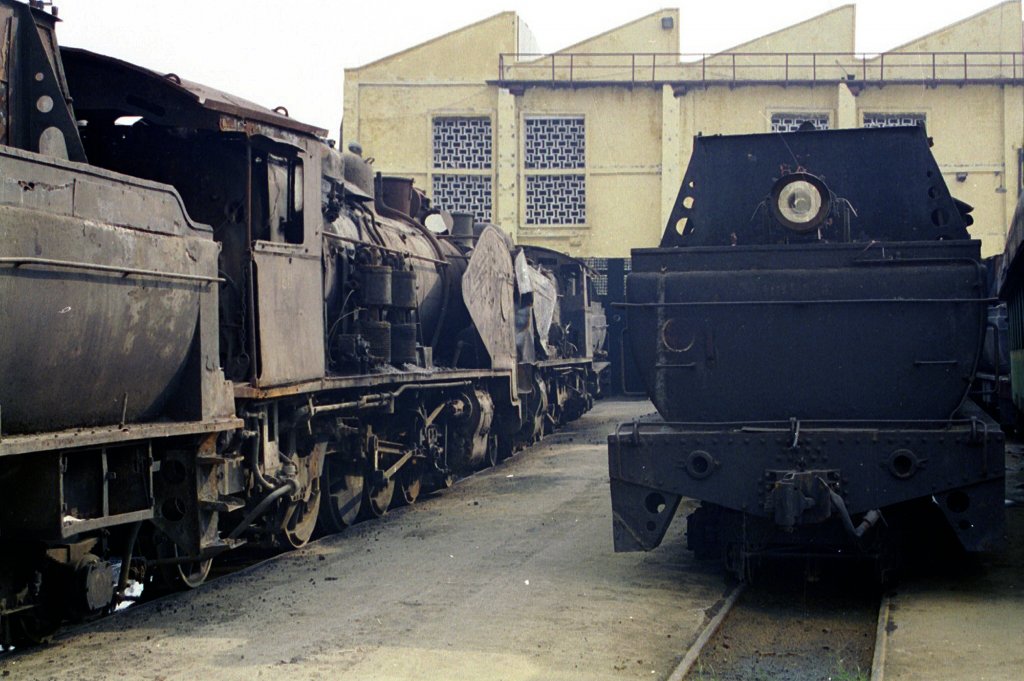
(796, 631)
(509, 575)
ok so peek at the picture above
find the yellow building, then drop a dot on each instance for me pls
(583, 150)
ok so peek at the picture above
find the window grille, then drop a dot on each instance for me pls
(464, 194)
(556, 200)
(555, 151)
(463, 146)
(891, 120)
(462, 143)
(600, 279)
(791, 122)
(555, 143)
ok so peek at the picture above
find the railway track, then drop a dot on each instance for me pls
(793, 631)
(244, 559)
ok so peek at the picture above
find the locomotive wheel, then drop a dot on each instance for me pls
(300, 518)
(410, 485)
(189, 575)
(340, 506)
(33, 627)
(168, 578)
(377, 500)
(494, 456)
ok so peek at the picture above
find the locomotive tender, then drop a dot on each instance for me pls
(808, 331)
(218, 330)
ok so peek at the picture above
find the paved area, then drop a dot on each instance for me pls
(966, 626)
(509, 575)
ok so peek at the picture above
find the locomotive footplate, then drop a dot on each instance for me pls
(809, 473)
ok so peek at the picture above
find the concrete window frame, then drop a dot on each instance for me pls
(879, 117)
(476, 193)
(797, 115)
(573, 178)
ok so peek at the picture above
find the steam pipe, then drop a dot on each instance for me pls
(254, 462)
(290, 487)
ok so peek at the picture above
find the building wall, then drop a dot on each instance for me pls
(396, 119)
(639, 123)
(623, 149)
(404, 89)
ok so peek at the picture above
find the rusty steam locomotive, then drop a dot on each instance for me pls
(218, 329)
(808, 331)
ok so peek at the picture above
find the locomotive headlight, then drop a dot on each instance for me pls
(800, 202)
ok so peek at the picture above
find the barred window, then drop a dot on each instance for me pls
(891, 120)
(463, 146)
(791, 122)
(555, 143)
(462, 143)
(556, 200)
(554, 155)
(464, 194)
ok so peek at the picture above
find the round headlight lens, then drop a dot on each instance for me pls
(799, 202)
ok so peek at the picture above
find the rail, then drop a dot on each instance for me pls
(732, 68)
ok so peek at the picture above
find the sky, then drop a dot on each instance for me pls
(294, 52)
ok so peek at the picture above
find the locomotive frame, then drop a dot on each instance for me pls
(811, 373)
(312, 356)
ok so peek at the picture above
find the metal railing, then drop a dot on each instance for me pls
(653, 68)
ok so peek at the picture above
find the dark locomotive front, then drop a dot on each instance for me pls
(808, 332)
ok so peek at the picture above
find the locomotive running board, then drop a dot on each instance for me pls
(11, 445)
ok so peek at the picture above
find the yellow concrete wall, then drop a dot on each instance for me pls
(645, 34)
(996, 29)
(828, 33)
(396, 121)
(832, 31)
(610, 55)
(623, 143)
(469, 53)
(466, 56)
(639, 138)
(721, 111)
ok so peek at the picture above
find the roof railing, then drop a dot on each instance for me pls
(656, 68)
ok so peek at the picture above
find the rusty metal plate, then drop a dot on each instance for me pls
(545, 301)
(290, 295)
(487, 289)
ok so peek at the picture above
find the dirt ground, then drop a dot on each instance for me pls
(797, 631)
(509, 575)
(968, 624)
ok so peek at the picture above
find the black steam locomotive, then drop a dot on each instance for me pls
(219, 330)
(808, 331)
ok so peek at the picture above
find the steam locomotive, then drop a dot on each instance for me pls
(808, 331)
(219, 330)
